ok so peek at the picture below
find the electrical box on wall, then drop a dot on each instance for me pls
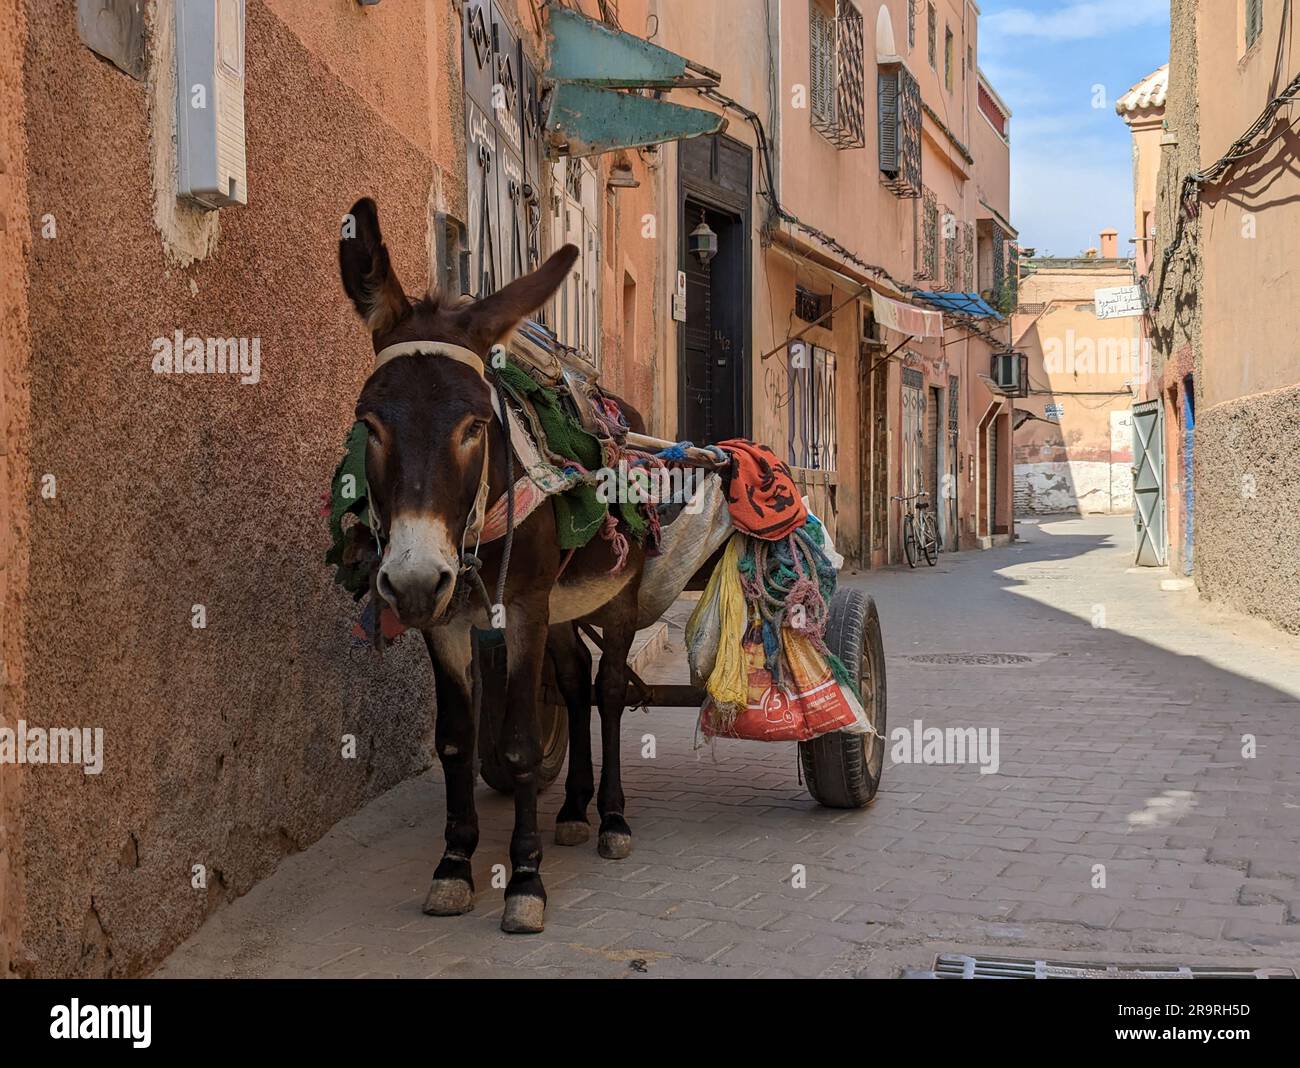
(210, 161)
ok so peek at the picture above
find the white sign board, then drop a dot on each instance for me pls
(1118, 302)
(679, 298)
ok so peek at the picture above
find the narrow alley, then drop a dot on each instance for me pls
(1121, 711)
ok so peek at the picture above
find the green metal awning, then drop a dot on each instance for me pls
(593, 75)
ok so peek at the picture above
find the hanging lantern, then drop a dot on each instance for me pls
(702, 243)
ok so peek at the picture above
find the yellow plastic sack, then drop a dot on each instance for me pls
(721, 660)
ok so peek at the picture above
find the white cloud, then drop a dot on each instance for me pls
(1076, 21)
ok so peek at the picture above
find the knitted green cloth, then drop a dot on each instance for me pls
(579, 512)
(348, 496)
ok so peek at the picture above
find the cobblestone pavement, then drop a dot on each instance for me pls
(1121, 744)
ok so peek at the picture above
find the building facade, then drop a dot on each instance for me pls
(845, 180)
(1074, 440)
(162, 574)
(1220, 290)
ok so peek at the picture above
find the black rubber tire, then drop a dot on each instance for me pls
(909, 540)
(490, 696)
(843, 770)
(931, 542)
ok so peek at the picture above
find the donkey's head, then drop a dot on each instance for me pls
(428, 408)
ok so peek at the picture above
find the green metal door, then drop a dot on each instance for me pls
(1148, 483)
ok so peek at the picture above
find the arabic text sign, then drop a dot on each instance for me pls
(1118, 302)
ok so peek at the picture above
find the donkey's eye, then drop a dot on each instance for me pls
(474, 431)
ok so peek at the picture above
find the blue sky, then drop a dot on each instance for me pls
(1071, 162)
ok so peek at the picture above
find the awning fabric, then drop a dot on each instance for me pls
(971, 304)
(906, 318)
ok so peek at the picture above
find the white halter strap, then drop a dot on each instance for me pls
(459, 353)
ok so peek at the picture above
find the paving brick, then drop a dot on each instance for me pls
(1092, 736)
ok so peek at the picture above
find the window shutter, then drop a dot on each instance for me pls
(887, 97)
(822, 64)
(1254, 20)
(898, 105)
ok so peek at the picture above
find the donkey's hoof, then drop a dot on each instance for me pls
(449, 897)
(614, 845)
(572, 832)
(523, 914)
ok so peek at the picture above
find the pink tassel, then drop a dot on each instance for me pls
(611, 534)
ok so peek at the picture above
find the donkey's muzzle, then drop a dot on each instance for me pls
(418, 575)
(417, 599)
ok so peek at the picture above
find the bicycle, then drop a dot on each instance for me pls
(919, 530)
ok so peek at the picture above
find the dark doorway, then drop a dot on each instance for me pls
(712, 358)
(714, 339)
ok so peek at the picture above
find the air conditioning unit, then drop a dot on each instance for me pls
(1010, 371)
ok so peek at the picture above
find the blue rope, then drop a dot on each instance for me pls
(675, 452)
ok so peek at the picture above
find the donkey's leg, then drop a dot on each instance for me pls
(571, 660)
(521, 747)
(615, 840)
(452, 892)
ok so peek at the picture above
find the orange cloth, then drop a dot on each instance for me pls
(761, 493)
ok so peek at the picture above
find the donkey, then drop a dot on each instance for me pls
(433, 441)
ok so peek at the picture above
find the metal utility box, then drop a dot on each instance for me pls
(210, 161)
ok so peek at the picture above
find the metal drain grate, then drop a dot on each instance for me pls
(977, 659)
(960, 966)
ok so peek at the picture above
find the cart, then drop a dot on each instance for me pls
(841, 770)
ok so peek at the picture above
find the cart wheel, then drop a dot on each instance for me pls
(490, 695)
(843, 770)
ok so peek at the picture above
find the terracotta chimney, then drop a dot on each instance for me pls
(1110, 244)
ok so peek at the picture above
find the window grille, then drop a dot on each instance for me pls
(968, 258)
(951, 244)
(947, 58)
(810, 306)
(574, 311)
(837, 74)
(927, 244)
(812, 407)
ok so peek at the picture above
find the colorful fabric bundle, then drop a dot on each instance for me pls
(761, 491)
(580, 514)
(756, 642)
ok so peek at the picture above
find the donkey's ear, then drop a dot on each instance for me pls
(368, 276)
(489, 320)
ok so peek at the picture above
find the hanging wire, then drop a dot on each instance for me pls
(1189, 193)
